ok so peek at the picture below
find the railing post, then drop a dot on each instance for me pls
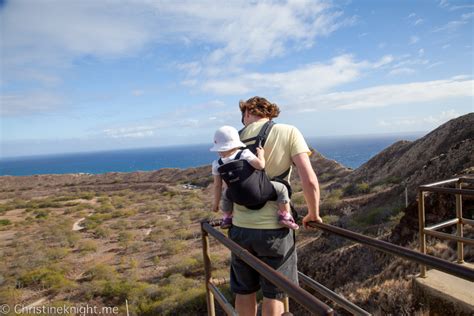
(421, 225)
(459, 225)
(211, 311)
(286, 304)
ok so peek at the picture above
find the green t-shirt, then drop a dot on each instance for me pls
(283, 142)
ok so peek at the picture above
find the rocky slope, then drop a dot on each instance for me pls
(444, 152)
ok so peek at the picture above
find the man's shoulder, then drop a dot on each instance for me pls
(284, 128)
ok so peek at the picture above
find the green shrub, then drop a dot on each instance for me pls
(173, 246)
(87, 195)
(5, 222)
(102, 232)
(330, 219)
(48, 278)
(102, 271)
(57, 253)
(357, 188)
(41, 214)
(87, 246)
(188, 266)
(375, 216)
(333, 200)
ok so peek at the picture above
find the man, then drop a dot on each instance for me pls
(259, 231)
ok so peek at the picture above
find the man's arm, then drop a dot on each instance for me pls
(310, 187)
(217, 193)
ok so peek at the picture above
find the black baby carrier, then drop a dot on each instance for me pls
(246, 185)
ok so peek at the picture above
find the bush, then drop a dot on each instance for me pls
(57, 253)
(359, 188)
(188, 266)
(47, 278)
(333, 200)
(87, 195)
(173, 246)
(87, 246)
(5, 222)
(102, 232)
(102, 272)
(41, 214)
(375, 216)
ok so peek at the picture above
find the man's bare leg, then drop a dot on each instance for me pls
(246, 305)
(272, 307)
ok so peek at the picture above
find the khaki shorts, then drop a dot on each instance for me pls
(275, 247)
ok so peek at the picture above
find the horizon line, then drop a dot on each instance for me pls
(387, 134)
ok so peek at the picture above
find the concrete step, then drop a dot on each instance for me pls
(444, 294)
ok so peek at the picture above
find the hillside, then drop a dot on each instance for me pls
(441, 153)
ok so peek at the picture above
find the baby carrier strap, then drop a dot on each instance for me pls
(237, 157)
(260, 139)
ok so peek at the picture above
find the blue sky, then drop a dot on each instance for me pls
(100, 75)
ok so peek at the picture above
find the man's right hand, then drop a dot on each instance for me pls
(311, 218)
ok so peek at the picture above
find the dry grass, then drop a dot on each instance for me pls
(138, 244)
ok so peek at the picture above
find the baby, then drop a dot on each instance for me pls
(227, 143)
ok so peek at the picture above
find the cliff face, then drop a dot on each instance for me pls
(444, 152)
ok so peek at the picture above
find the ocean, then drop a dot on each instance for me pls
(350, 151)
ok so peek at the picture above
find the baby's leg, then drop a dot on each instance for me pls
(227, 207)
(284, 215)
(283, 198)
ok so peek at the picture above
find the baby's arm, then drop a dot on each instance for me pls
(259, 162)
(217, 193)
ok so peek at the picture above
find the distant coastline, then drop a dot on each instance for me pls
(351, 151)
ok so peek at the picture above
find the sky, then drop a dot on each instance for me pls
(93, 75)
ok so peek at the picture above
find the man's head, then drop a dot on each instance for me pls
(259, 107)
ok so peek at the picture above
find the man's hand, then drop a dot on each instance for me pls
(215, 208)
(311, 218)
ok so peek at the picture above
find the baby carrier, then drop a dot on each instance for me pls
(246, 185)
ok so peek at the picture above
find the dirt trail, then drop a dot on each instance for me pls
(35, 303)
(76, 226)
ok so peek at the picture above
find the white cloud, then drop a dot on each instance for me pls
(418, 21)
(250, 32)
(55, 33)
(305, 81)
(414, 40)
(29, 103)
(415, 19)
(391, 95)
(184, 118)
(411, 121)
(467, 16)
(242, 31)
(450, 26)
(445, 4)
(401, 71)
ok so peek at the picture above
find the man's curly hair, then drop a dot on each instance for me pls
(260, 107)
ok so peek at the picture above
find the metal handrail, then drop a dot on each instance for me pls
(298, 294)
(440, 264)
(338, 299)
(459, 221)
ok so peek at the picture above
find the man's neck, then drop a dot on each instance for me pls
(258, 119)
